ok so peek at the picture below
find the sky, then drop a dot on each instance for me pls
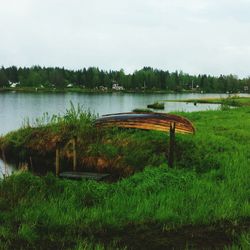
(195, 36)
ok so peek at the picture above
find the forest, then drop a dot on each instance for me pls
(146, 78)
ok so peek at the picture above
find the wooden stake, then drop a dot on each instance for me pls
(171, 145)
(57, 161)
(31, 164)
(74, 154)
(4, 161)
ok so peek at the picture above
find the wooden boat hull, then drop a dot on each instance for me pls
(147, 121)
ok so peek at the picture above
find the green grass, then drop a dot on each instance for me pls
(156, 105)
(51, 90)
(142, 110)
(209, 184)
(234, 101)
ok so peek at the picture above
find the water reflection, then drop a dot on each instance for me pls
(15, 107)
(5, 169)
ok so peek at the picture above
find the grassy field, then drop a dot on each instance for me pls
(234, 101)
(203, 202)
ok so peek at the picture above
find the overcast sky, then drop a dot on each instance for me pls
(196, 36)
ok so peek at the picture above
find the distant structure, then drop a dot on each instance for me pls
(102, 88)
(116, 86)
(14, 84)
(246, 88)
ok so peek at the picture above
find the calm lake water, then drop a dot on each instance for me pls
(16, 107)
(6, 169)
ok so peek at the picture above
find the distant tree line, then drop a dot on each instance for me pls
(146, 78)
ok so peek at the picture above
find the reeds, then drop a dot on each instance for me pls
(156, 105)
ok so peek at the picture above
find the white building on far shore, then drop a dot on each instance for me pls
(14, 84)
(116, 86)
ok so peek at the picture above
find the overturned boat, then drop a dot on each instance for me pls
(147, 121)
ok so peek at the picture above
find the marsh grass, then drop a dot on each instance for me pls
(156, 105)
(138, 110)
(243, 242)
(230, 101)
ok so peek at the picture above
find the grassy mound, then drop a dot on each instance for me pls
(156, 105)
(208, 189)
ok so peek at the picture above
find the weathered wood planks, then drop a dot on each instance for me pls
(150, 121)
(83, 175)
(147, 121)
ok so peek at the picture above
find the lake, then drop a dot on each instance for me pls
(15, 107)
(6, 169)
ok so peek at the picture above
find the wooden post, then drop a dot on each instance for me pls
(171, 144)
(74, 154)
(57, 160)
(4, 161)
(31, 164)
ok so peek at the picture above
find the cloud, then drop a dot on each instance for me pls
(196, 36)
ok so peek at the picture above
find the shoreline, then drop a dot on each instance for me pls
(235, 101)
(97, 91)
